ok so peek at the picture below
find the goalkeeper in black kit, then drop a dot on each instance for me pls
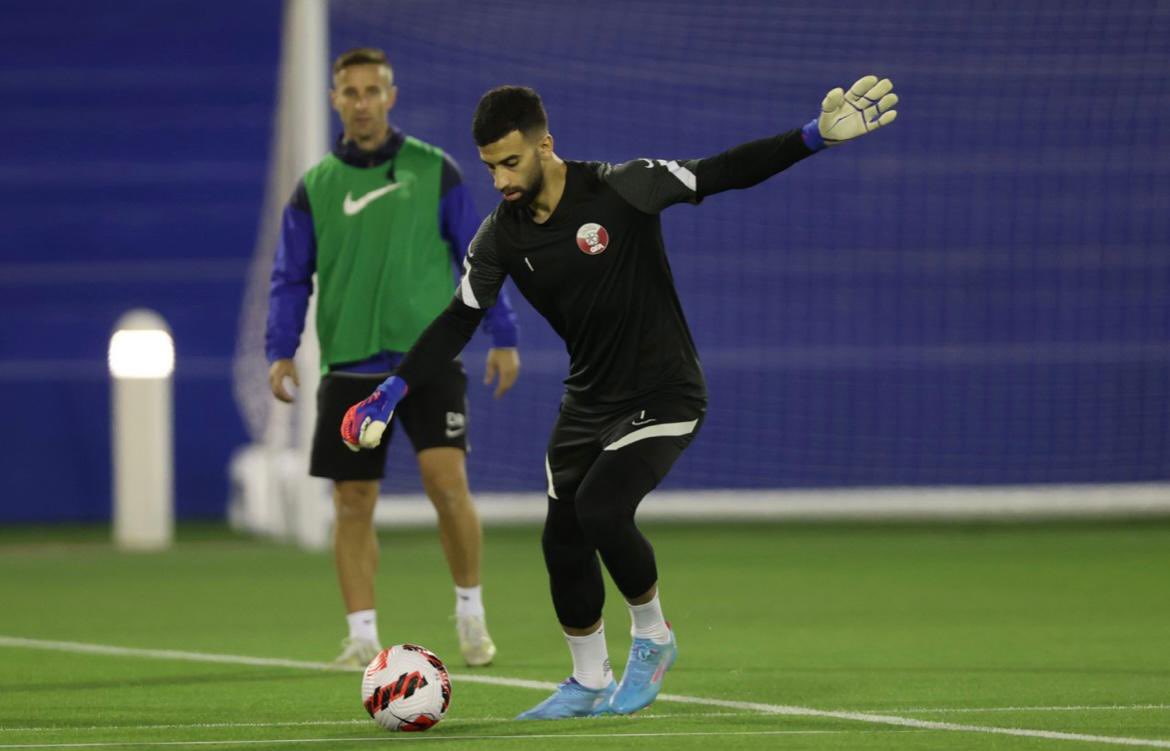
(583, 242)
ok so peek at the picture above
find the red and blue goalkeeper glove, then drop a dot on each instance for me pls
(365, 422)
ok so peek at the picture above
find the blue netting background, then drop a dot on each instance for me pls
(978, 294)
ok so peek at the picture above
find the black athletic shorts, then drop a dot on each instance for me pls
(434, 415)
(657, 431)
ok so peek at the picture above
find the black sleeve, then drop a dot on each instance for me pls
(439, 343)
(750, 163)
(483, 275)
(651, 185)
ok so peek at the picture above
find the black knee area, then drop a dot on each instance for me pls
(607, 500)
(574, 573)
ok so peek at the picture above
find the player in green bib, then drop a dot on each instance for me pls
(384, 221)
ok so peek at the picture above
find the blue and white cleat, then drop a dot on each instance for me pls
(642, 680)
(571, 699)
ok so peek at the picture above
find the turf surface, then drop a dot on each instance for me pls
(1058, 629)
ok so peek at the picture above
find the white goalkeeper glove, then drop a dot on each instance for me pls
(867, 106)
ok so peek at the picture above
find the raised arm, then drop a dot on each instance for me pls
(650, 185)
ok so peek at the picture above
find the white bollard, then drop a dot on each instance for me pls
(142, 359)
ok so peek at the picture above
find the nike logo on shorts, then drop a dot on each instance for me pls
(456, 424)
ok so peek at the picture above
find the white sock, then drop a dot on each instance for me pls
(590, 659)
(363, 624)
(469, 600)
(648, 621)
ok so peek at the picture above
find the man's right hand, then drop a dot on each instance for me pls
(365, 422)
(280, 370)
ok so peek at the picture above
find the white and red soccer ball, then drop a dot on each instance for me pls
(406, 687)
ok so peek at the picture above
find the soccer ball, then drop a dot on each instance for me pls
(406, 687)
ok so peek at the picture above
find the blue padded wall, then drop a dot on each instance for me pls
(134, 144)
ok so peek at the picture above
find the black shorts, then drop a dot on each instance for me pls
(657, 431)
(435, 415)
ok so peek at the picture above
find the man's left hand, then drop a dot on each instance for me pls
(865, 107)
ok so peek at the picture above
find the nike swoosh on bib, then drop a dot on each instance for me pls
(352, 206)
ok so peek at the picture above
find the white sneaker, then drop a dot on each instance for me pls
(474, 641)
(356, 653)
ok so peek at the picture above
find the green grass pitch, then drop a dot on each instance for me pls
(808, 636)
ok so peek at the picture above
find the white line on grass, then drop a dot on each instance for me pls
(884, 719)
(196, 726)
(326, 723)
(482, 720)
(162, 654)
(1071, 708)
(772, 709)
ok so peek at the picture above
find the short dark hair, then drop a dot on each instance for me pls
(361, 56)
(505, 109)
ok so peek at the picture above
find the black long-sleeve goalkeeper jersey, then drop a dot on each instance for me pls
(597, 271)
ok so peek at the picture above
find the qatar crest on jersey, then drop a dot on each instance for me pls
(592, 238)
